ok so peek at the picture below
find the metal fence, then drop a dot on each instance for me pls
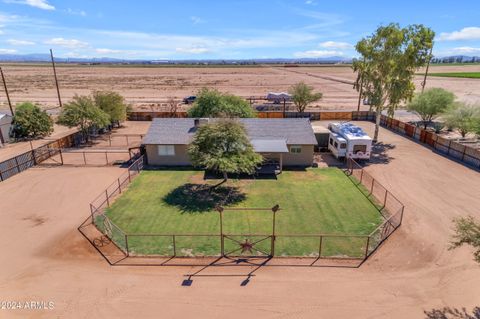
(451, 148)
(22, 162)
(331, 246)
(389, 206)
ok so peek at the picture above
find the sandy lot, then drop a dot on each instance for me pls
(145, 87)
(45, 258)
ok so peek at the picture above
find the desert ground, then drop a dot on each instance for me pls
(45, 258)
(146, 87)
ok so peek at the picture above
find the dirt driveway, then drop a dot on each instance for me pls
(44, 258)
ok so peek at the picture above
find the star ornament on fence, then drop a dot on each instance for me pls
(246, 246)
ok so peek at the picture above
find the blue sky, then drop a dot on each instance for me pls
(185, 29)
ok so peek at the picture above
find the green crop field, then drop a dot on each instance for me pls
(469, 75)
(181, 203)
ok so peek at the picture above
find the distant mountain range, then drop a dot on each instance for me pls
(329, 60)
(46, 58)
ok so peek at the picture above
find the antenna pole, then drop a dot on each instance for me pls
(6, 92)
(56, 80)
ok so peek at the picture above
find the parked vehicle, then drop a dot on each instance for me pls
(349, 141)
(189, 99)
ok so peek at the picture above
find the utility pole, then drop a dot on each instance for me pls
(426, 70)
(56, 80)
(6, 92)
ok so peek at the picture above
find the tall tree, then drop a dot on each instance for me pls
(463, 117)
(303, 95)
(31, 121)
(82, 112)
(111, 103)
(223, 146)
(389, 59)
(212, 103)
(430, 104)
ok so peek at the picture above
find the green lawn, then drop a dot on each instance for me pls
(470, 75)
(316, 201)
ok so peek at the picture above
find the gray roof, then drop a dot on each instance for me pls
(181, 130)
(269, 145)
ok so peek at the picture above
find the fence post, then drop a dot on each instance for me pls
(449, 144)
(61, 156)
(108, 201)
(126, 245)
(91, 213)
(174, 246)
(366, 248)
(129, 178)
(320, 247)
(119, 186)
(361, 176)
(110, 139)
(106, 157)
(401, 216)
(464, 150)
(385, 199)
(371, 189)
(84, 158)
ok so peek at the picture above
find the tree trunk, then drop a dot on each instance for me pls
(225, 179)
(378, 116)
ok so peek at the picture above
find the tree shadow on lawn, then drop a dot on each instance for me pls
(200, 198)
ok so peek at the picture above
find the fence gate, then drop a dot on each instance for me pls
(248, 245)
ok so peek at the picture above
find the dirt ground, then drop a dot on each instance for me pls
(45, 258)
(145, 87)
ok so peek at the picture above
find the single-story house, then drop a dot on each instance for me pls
(285, 142)
(5, 126)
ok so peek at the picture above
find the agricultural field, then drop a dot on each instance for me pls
(146, 87)
(468, 75)
(180, 202)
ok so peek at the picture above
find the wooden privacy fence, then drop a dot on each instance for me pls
(451, 148)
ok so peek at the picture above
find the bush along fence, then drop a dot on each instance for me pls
(266, 244)
(458, 151)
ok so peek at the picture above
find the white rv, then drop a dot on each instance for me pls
(349, 141)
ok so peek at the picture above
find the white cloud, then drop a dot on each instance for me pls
(107, 51)
(311, 2)
(41, 4)
(470, 33)
(196, 20)
(335, 45)
(19, 42)
(317, 54)
(76, 12)
(192, 50)
(465, 50)
(7, 51)
(67, 43)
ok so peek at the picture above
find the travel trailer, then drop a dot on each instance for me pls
(349, 141)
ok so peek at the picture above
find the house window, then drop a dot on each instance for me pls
(336, 144)
(343, 145)
(296, 149)
(331, 141)
(166, 150)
